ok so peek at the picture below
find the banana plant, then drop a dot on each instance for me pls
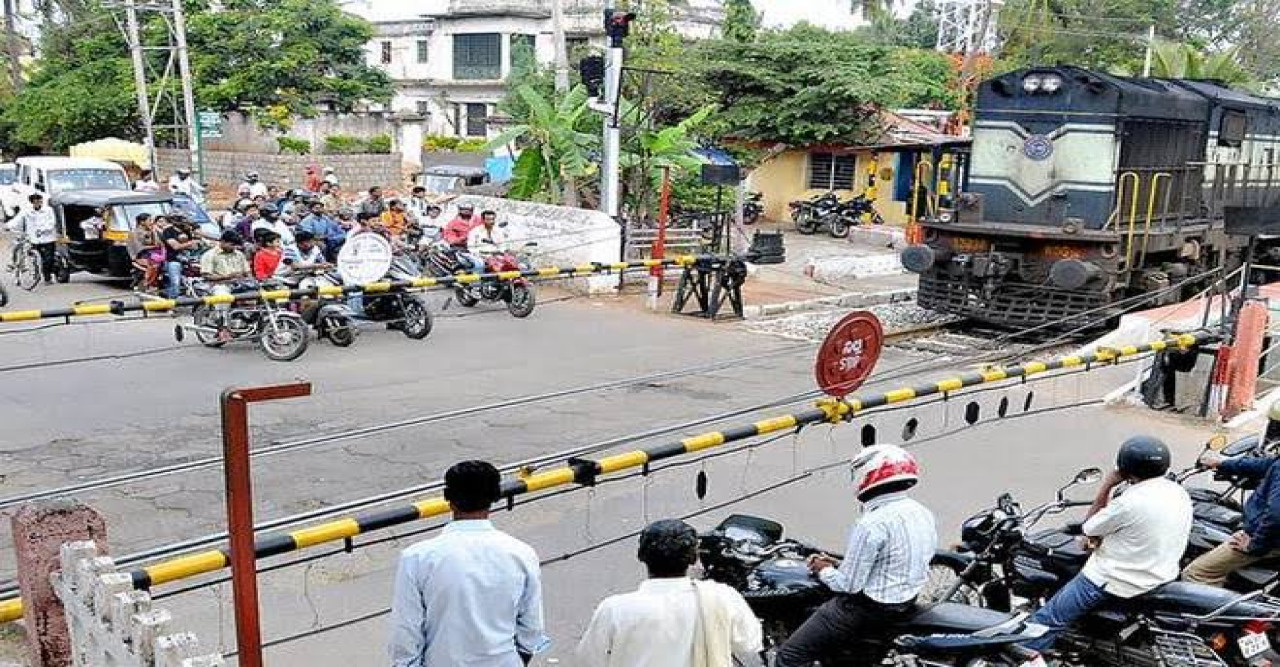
(555, 153)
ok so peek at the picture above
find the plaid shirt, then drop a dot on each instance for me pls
(889, 551)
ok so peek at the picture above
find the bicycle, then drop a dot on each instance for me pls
(25, 264)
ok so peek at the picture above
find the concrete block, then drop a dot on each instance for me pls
(880, 237)
(39, 531)
(846, 267)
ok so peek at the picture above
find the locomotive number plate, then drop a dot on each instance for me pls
(966, 244)
(1064, 251)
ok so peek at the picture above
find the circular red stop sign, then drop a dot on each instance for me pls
(849, 353)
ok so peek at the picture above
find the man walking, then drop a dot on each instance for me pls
(471, 597)
(672, 620)
(40, 227)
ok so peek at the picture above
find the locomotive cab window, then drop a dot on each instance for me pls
(829, 171)
(1232, 129)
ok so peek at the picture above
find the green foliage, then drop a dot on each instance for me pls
(1070, 31)
(1181, 61)
(527, 178)
(294, 146)
(918, 31)
(434, 143)
(741, 22)
(472, 145)
(551, 131)
(275, 59)
(343, 144)
(807, 85)
(379, 143)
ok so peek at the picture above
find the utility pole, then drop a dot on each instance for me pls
(134, 37)
(188, 90)
(562, 49)
(12, 46)
(1151, 45)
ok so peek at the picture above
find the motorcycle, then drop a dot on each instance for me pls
(1179, 623)
(400, 310)
(855, 212)
(517, 292)
(750, 555)
(812, 214)
(752, 208)
(333, 320)
(1220, 513)
(281, 334)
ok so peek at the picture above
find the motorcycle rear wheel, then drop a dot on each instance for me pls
(806, 224)
(201, 316)
(523, 300)
(839, 228)
(465, 298)
(942, 577)
(286, 340)
(340, 330)
(417, 318)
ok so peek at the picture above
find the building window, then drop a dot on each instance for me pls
(424, 48)
(386, 53)
(424, 108)
(477, 120)
(477, 56)
(829, 171)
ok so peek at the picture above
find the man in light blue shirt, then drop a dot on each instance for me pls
(471, 597)
(325, 229)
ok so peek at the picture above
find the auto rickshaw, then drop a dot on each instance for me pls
(111, 255)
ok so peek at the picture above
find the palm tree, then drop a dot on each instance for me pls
(555, 153)
(1174, 60)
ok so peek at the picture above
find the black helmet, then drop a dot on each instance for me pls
(1143, 456)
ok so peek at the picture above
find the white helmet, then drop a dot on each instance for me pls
(880, 465)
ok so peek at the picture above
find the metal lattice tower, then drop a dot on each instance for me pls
(967, 26)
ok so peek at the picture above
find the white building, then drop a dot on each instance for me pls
(449, 59)
(830, 14)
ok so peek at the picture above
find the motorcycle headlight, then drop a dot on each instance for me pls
(945, 217)
(1051, 83)
(1031, 83)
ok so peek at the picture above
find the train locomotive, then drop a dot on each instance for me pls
(1083, 189)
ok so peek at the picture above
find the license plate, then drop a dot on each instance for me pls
(1035, 662)
(1252, 644)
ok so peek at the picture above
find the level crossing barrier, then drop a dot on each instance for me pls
(584, 472)
(338, 291)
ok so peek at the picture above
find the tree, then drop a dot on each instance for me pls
(1182, 61)
(918, 31)
(554, 149)
(807, 85)
(1095, 34)
(741, 22)
(274, 59)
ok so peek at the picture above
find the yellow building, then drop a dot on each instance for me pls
(888, 168)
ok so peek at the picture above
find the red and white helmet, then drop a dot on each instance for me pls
(880, 465)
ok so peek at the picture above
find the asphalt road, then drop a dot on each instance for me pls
(88, 401)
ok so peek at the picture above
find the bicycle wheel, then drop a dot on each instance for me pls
(26, 269)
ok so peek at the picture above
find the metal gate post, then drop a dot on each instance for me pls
(239, 483)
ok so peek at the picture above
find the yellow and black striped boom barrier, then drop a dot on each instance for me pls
(585, 472)
(337, 291)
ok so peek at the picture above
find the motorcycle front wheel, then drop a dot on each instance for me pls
(805, 223)
(285, 339)
(417, 318)
(202, 317)
(522, 300)
(465, 298)
(943, 577)
(340, 330)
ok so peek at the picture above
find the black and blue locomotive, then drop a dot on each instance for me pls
(1082, 189)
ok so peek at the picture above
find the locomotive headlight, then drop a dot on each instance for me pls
(1051, 83)
(1031, 83)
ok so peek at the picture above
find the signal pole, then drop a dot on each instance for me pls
(134, 37)
(188, 92)
(617, 25)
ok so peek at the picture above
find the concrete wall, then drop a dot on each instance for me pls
(355, 172)
(565, 236)
(240, 133)
(785, 178)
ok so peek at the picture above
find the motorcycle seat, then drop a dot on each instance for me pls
(1189, 598)
(953, 617)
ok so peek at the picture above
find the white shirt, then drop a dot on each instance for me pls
(654, 626)
(280, 227)
(38, 226)
(889, 551)
(186, 186)
(146, 185)
(467, 598)
(257, 188)
(480, 237)
(1144, 532)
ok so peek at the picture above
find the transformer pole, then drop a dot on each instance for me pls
(188, 92)
(134, 37)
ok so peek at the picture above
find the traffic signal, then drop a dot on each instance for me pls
(617, 25)
(591, 69)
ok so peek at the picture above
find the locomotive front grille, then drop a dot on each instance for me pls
(1012, 304)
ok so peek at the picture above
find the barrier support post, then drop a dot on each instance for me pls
(239, 484)
(1251, 328)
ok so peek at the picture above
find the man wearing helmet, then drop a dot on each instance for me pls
(1260, 537)
(1139, 537)
(885, 566)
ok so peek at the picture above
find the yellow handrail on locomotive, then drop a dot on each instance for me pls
(943, 180)
(915, 188)
(1151, 210)
(1133, 210)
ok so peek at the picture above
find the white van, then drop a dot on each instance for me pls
(51, 175)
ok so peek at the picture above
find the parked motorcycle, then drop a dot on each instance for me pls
(810, 215)
(332, 319)
(1177, 624)
(752, 208)
(518, 293)
(282, 335)
(860, 211)
(750, 555)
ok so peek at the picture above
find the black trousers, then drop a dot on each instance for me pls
(46, 251)
(837, 623)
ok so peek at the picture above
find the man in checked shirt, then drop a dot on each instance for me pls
(885, 566)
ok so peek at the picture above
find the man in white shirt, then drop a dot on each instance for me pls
(672, 620)
(1140, 537)
(488, 233)
(886, 563)
(146, 182)
(182, 183)
(93, 225)
(40, 227)
(253, 185)
(471, 597)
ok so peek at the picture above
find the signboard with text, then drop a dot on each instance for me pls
(849, 353)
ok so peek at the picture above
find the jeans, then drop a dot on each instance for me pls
(476, 261)
(173, 279)
(1079, 597)
(834, 626)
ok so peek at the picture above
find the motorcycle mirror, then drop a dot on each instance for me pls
(1217, 443)
(1088, 476)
